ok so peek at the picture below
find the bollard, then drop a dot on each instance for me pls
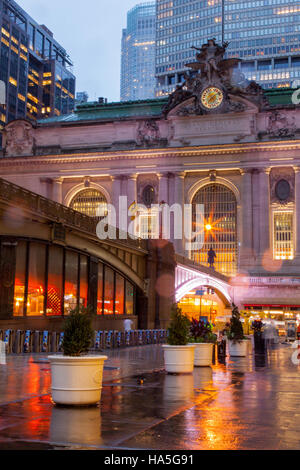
(27, 345)
(98, 340)
(127, 337)
(60, 342)
(45, 342)
(8, 341)
(2, 353)
(18, 342)
(53, 343)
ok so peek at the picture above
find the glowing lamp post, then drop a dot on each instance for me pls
(200, 293)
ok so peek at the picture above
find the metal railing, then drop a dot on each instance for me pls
(26, 342)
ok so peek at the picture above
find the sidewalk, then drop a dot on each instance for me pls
(245, 405)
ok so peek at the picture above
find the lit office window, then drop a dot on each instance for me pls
(89, 201)
(283, 235)
(220, 225)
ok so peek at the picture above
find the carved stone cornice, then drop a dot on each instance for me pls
(207, 151)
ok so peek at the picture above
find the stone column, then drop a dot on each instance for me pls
(131, 189)
(115, 194)
(179, 199)
(264, 211)
(131, 194)
(57, 190)
(163, 192)
(246, 253)
(297, 211)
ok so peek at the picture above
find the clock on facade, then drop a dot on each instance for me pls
(283, 190)
(212, 97)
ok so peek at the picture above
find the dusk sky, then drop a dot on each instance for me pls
(91, 34)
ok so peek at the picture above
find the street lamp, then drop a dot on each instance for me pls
(200, 293)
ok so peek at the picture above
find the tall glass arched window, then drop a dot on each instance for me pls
(88, 201)
(220, 225)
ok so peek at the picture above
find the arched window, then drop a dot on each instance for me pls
(220, 225)
(89, 201)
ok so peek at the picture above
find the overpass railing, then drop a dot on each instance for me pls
(26, 342)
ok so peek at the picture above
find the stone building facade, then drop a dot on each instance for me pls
(236, 150)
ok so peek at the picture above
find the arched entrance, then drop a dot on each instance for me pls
(201, 294)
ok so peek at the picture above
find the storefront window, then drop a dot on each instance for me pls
(36, 280)
(119, 302)
(129, 300)
(71, 281)
(83, 280)
(109, 292)
(55, 281)
(100, 290)
(20, 280)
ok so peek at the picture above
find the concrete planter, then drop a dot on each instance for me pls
(76, 380)
(203, 354)
(179, 359)
(238, 348)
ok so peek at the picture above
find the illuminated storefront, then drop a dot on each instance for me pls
(51, 280)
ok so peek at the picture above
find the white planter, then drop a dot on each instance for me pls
(179, 359)
(203, 354)
(238, 348)
(77, 380)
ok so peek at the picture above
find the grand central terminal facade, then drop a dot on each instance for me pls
(229, 146)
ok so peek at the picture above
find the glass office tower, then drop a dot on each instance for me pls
(264, 33)
(138, 54)
(34, 67)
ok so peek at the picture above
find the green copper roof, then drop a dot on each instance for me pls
(279, 96)
(95, 111)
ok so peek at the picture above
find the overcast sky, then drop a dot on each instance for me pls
(90, 31)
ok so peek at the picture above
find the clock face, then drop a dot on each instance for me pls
(212, 97)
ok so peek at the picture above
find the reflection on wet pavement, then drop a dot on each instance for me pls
(249, 403)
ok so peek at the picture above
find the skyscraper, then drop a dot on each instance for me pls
(35, 68)
(264, 33)
(138, 54)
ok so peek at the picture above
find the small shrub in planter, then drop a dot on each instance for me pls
(201, 332)
(178, 354)
(235, 334)
(77, 376)
(78, 332)
(202, 336)
(179, 328)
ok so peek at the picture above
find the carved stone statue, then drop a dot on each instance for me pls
(19, 139)
(211, 62)
(148, 133)
(280, 125)
(212, 84)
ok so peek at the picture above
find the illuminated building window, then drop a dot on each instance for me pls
(21, 97)
(88, 202)
(13, 81)
(55, 281)
(20, 280)
(283, 235)
(71, 281)
(36, 280)
(119, 298)
(220, 217)
(6, 33)
(109, 291)
(148, 225)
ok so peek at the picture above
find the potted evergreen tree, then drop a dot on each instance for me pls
(203, 338)
(178, 354)
(77, 376)
(237, 342)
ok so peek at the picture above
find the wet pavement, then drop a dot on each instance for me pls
(249, 403)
